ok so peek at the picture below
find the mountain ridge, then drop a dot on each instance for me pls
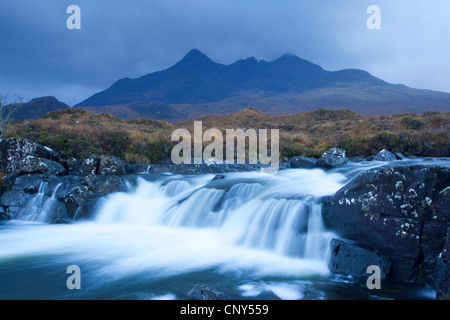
(197, 85)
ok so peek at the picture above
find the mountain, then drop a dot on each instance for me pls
(197, 86)
(38, 107)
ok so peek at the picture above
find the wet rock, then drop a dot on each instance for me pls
(218, 177)
(14, 201)
(204, 292)
(103, 185)
(13, 198)
(443, 287)
(267, 295)
(399, 210)
(400, 156)
(4, 215)
(58, 212)
(352, 258)
(384, 155)
(136, 168)
(332, 158)
(303, 163)
(83, 192)
(111, 166)
(89, 166)
(74, 192)
(7, 182)
(194, 169)
(356, 160)
(30, 183)
(73, 166)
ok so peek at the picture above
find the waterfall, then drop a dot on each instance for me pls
(259, 212)
(40, 207)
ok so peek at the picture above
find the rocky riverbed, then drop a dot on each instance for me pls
(392, 213)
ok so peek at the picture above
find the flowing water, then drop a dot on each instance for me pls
(242, 234)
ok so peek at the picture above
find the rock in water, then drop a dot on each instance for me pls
(402, 211)
(443, 288)
(4, 215)
(204, 292)
(400, 156)
(351, 258)
(385, 155)
(267, 295)
(303, 163)
(88, 166)
(111, 166)
(332, 158)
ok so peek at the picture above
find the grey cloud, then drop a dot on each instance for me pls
(121, 38)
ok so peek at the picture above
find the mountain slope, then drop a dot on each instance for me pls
(196, 86)
(38, 107)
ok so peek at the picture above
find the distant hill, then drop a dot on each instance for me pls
(38, 108)
(197, 86)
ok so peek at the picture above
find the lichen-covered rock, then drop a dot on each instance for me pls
(89, 166)
(399, 210)
(352, 258)
(31, 164)
(204, 292)
(303, 163)
(18, 156)
(385, 155)
(332, 158)
(79, 194)
(111, 166)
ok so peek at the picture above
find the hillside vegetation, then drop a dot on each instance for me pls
(80, 134)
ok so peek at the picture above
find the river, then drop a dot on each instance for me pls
(242, 233)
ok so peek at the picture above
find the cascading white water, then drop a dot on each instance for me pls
(247, 232)
(40, 207)
(264, 212)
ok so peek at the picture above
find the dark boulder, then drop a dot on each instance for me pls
(352, 258)
(194, 169)
(31, 164)
(303, 163)
(400, 156)
(89, 166)
(81, 193)
(74, 192)
(136, 168)
(332, 158)
(443, 286)
(204, 292)
(14, 151)
(385, 155)
(357, 160)
(267, 295)
(30, 183)
(111, 166)
(4, 215)
(14, 201)
(399, 210)
(218, 177)
(73, 166)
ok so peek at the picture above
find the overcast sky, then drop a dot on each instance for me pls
(40, 56)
